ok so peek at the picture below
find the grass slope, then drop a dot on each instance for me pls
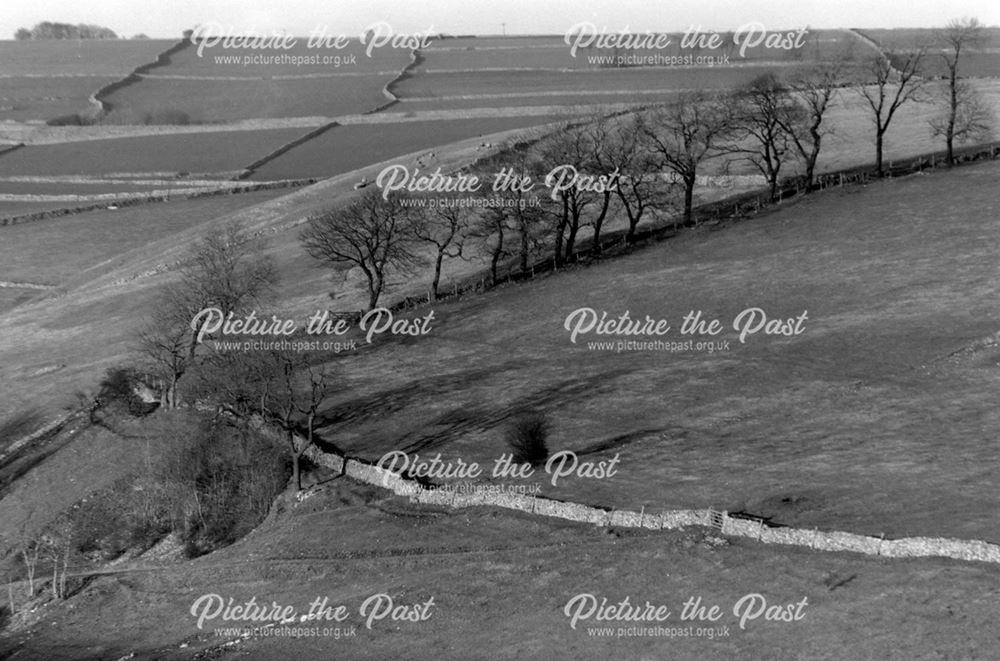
(863, 422)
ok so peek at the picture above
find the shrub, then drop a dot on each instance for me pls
(119, 386)
(219, 484)
(167, 116)
(527, 437)
(208, 481)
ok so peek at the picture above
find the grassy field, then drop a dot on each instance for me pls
(515, 103)
(208, 101)
(484, 53)
(981, 60)
(221, 152)
(302, 60)
(101, 239)
(476, 565)
(59, 187)
(92, 57)
(34, 98)
(879, 271)
(40, 80)
(351, 146)
(879, 418)
(618, 81)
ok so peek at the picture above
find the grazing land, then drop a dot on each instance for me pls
(979, 60)
(227, 100)
(303, 60)
(618, 82)
(887, 387)
(197, 153)
(879, 417)
(473, 563)
(24, 98)
(102, 239)
(351, 146)
(42, 80)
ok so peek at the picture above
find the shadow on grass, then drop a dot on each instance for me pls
(18, 426)
(463, 419)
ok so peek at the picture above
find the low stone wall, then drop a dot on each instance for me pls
(668, 520)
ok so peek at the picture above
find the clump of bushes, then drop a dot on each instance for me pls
(120, 388)
(168, 116)
(74, 119)
(527, 437)
(205, 479)
(220, 485)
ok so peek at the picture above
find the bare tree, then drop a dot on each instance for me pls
(30, 550)
(685, 134)
(516, 201)
(602, 140)
(445, 227)
(493, 230)
(227, 270)
(890, 80)
(565, 152)
(815, 89)
(967, 116)
(294, 387)
(767, 117)
(372, 233)
(640, 190)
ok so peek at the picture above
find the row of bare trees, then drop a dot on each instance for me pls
(774, 126)
(652, 160)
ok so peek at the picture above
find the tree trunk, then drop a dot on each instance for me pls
(374, 291)
(595, 249)
(688, 199)
(560, 230)
(878, 153)
(437, 275)
(571, 238)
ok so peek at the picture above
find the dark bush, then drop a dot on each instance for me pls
(169, 116)
(220, 485)
(208, 481)
(73, 119)
(527, 437)
(120, 386)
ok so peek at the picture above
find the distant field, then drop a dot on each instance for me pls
(620, 82)
(230, 100)
(20, 207)
(512, 101)
(908, 38)
(192, 152)
(234, 84)
(28, 250)
(981, 60)
(318, 61)
(61, 188)
(351, 146)
(45, 79)
(93, 57)
(553, 52)
(25, 98)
